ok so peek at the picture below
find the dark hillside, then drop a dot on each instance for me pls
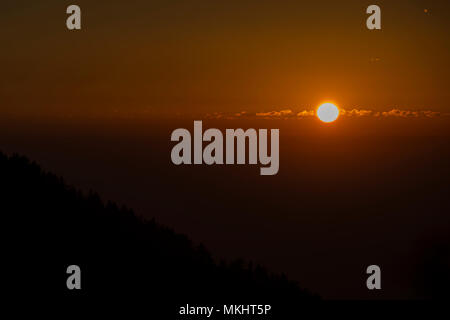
(52, 225)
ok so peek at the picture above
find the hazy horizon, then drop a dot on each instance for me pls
(97, 106)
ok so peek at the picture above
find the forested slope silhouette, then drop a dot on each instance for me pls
(52, 225)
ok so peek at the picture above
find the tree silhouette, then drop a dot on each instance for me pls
(51, 225)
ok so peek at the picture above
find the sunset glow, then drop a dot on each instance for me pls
(226, 159)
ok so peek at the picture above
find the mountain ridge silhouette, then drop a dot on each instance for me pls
(52, 225)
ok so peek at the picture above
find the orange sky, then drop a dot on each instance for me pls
(204, 56)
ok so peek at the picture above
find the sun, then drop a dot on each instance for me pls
(328, 112)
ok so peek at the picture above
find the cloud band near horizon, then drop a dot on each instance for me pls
(356, 113)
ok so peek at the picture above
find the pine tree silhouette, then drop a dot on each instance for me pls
(51, 225)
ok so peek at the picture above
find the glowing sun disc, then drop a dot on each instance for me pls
(328, 112)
